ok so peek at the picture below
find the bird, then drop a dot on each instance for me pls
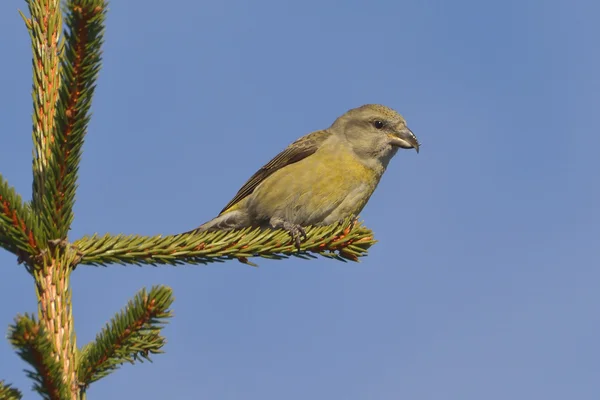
(321, 178)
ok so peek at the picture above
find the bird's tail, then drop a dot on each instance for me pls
(224, 222)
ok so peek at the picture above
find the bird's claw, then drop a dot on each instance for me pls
(296, 231)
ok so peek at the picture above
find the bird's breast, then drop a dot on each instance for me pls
(325, 187)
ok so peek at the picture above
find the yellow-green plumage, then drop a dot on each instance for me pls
(321, 178)
(318, 190)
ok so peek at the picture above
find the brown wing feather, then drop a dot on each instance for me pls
(300, 149)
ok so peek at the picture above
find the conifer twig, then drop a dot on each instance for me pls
(44, 26)
(16, 224)
(7, 392)
(132, 335)
(346, 241)
(81, 61)
(34, 346)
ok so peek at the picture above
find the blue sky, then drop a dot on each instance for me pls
(484, 283)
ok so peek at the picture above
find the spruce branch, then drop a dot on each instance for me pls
(17, 224)
(346, 241)
(52, 276)
(7, 392)
(132, 335)
(44, 26)
(34, 346)
(81, 62)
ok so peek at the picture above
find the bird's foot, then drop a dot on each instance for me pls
(353, 222)
(296, 231)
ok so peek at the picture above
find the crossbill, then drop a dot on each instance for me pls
(321, 178)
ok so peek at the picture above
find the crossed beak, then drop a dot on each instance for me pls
(405, 139)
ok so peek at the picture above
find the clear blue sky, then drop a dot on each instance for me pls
(485, 283)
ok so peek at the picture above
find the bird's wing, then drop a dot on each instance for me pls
(300, 149)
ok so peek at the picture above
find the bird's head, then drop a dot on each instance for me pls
(375, 131)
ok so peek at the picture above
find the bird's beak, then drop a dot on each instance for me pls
(405, 139)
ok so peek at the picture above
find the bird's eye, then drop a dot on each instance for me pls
(378, 124)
